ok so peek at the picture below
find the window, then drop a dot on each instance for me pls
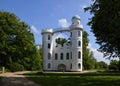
(79, 43)
(78, 33)
(71, 34)
(49, 56)
(49, 66)
(79, 66)
(61, 56)
(48, 45)
(71, 55)
(56, 56)
(48, 37)
(67, 56)
(71, 66)
(79, 55)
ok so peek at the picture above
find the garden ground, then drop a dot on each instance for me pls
(87, 78)
(15, 79)
(75, 79)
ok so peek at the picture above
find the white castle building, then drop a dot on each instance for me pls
(67, 57)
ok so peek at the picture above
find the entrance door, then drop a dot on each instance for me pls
(61, 67)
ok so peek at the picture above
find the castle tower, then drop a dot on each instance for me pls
(76, 44)
(47, 49)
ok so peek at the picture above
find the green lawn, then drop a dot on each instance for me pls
(69, 79)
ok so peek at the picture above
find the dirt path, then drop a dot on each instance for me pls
(16, 79)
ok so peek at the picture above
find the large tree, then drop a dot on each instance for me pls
(16, 43)
(105, 24)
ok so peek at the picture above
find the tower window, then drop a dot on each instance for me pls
(48, 45)
(79, 66)
(49, 66)
(61, 56)
(56, 56)
(78, 33)
(79, 43)
(71, 34)
(49, 56)
(48, 37)
(79, 55)
(67, 56)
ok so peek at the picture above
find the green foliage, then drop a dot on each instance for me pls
(16, 67)
(114, 65)
(102, 65)
(17, 46)
(61, 41)
(36, 60)
(88, 57)
(105, 24)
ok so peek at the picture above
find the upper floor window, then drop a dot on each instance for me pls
(79, 43)
(49, 56)
(48, 37)
(61, 56)
(79, 33)
(67, 56)
(56, 56)
(48, 45)
(79, 55)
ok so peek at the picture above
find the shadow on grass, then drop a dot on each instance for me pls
(75, 79)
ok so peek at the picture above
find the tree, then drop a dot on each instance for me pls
(61, 41)
(105, 26)
(114, 65)
(102, 65)
(17, 46)
(88, 58)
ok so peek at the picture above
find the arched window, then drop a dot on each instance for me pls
(48, 45)
(48, 37)
(56, 56)
(49, 66)
(67, 56)
(49, 56)
(79, 33)
(61, 56)
(79, 55)
(79, 43)
(79, 66)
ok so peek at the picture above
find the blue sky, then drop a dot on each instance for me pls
(41, 14)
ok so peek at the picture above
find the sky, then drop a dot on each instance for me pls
(43, 14)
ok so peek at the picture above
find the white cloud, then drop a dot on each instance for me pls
(98, 55)
(34, 29)
(63, 22)
(84, 6)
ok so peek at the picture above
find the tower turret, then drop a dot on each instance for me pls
(76, 43)
(47, 48)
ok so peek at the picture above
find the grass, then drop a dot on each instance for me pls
(74, 79)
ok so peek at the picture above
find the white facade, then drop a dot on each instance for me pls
(67, 57)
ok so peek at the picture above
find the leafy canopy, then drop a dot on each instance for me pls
(61, 41)
(105, 24)
(17, 48)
